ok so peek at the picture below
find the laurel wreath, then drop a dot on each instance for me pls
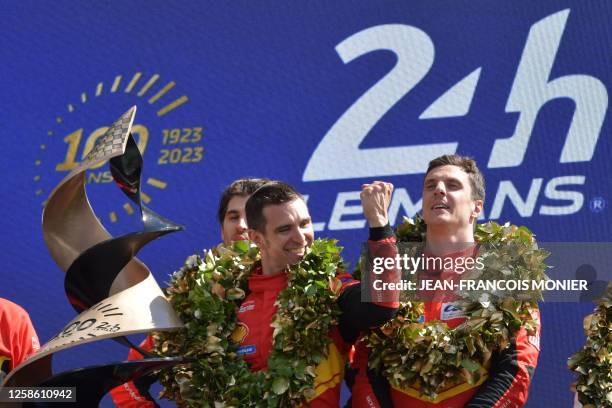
(433, 357)
(593, 362)
(206, 293)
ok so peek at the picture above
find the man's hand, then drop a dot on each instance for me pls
(375, 199)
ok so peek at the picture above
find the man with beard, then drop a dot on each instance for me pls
(281, 227)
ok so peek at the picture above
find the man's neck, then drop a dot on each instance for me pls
(269, 269)
(442, 240)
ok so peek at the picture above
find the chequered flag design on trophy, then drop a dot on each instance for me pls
(111, 144)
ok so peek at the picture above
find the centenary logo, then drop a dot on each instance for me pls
(163, 147)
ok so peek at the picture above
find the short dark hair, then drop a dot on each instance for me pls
(468, 165)
(242, 188)
(271, 193)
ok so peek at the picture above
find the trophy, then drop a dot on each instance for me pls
(113, 292)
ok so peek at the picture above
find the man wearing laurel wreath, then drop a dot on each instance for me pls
(281, 227)
(453, 195)
(283, 230)
(232, 222)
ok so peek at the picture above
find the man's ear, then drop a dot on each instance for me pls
(256, 237)
(477, 209)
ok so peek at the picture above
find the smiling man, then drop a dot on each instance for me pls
(231, 213)
(453, 196)
(281, 226)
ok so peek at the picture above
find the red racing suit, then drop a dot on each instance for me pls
(254, 330)
(504, 384)
(18, 339)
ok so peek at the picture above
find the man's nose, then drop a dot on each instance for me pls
(299, 236)
(440, 189)
(242, 225)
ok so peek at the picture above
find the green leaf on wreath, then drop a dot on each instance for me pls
(280, 385)
(242, 246)
(469, 365)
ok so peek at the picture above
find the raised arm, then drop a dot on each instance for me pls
(356, 314)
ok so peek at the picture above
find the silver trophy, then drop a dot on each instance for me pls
(114, 293)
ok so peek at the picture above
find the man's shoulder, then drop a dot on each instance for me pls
(10, 308)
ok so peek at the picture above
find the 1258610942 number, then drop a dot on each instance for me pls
(181, 155)
(37, 394)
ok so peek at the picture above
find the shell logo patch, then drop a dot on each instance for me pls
(240, 333)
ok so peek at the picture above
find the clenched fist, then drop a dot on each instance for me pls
(375, 199)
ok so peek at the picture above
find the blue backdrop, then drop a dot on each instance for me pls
(325, 95)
